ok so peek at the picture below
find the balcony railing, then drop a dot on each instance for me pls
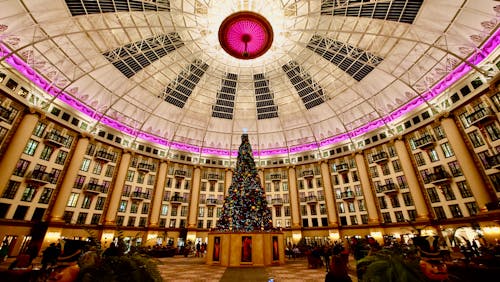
(94, 188)
(481, 116)
(389, 188)
(341, 168)
(211, 202)
(424, 142)
(439, 178)
(177, 200)
(5, 114)
(145, 167)
(213, 177)
(180, 173)
(104, 156)
(40, 177)
(55, 139)
(139, 196)
(312, 199)
(308, 174)
(277, 201)
(275, 176)
(348, 195)
(493, 161)
(380, 157)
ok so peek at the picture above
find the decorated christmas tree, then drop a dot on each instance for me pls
(245, 206)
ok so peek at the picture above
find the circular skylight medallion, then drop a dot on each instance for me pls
(245, 35)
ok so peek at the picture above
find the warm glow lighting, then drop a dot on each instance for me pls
(493, 230)
(52, 236)
(335, 236)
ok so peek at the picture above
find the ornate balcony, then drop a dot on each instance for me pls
(348, 196)
(481, 116)
(380, 157)
(275, 177)
(145, 167)
(425, 142)
(40, 178)
(213, 177)
(177, 200)
(389, 188)
(277, 201)
(139, 196)
(211, 202)
(308, 174)
(103, 156)
(311, 199)
(342, 168)
(55, 139)
(180, 173)
(95, 189)
(494, 161)
(439, 178)
(5, 114)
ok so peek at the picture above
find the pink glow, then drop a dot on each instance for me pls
(252, 31)
(446, 82)
(245, 35)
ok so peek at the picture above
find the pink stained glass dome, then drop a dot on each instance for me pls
(245, 35)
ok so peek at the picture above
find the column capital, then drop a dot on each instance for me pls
(127, 151)
(324, 161)
(443, 115)
(36, 110)
(86, 135)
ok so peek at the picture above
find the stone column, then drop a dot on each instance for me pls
(228, 180)
(294, 198)
(329, 197)
(116, 195)
(195, 196)
(476, 182)
(364, 177)
(16, 147)
(261, 178)
(161, 178)
(412, 180)
(68, 181)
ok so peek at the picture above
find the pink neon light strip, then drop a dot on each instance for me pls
(451, 78)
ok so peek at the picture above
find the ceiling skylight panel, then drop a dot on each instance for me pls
(224, 105)
(264, 98)
(87, 7)
(309, 91)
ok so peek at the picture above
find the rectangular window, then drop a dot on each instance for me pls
(396, 164)
(85, 165)
(31, 147)
(433, 155)
(46, 153)
(438, 130)
(412, 215)
(11, 190)
(399, 216)
(373, 171)
(287, 211)
(28, 193)
(130, 175)
(303, 210)
(79, 181)
(395, 202)
(39, 129)
(45, 196)
(68, 216)
(387, 217)
(448, 192)
(119, 220)
(95, 219)
(455, 168)
(123, 206)
(408, 200)
(109, 171)
(476, 139)
(87, 200)
(97, 168)
(3, 133)
(455, 211)
(82, 217)
(131, 221)
(448, 152)
(440, 214)
(433, 196)
(145, 208)
(419, 158)
(21, 167)
(492, 131)
(402, 182)
(73, 200)
(472, 208)
(364, 218)
(382, 203)
(464, 189)
(361, 205)
(61, 157)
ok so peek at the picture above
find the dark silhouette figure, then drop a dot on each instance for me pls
(50, 256)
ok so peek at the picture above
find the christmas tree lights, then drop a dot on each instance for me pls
(245, 207)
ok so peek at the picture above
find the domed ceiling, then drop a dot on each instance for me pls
(335, 69)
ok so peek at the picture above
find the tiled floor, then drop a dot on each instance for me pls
(194, 269)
